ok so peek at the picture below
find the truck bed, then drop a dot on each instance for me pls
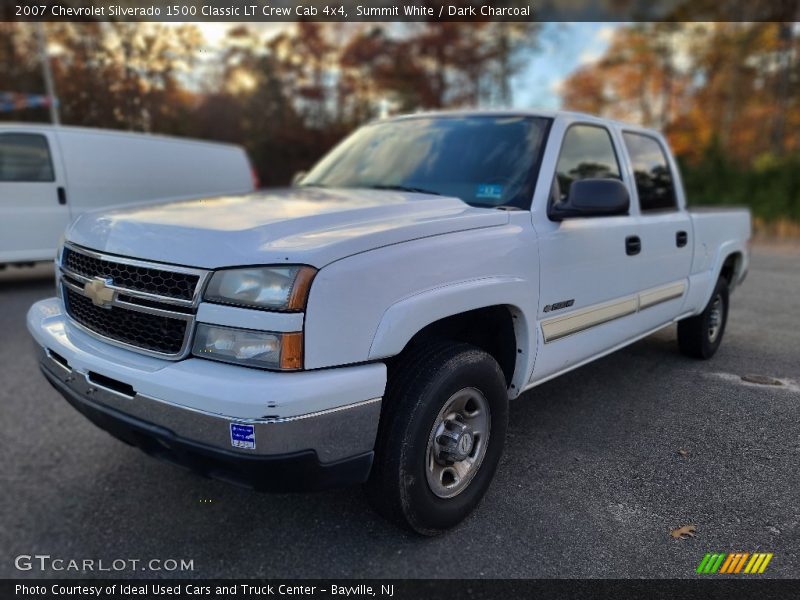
(717, 232)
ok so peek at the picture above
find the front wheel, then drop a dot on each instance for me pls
(441, 436)
(700, 336)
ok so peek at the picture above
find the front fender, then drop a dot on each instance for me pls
(405, 318)
(366, 307)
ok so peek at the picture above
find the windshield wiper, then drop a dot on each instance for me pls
(402, 188)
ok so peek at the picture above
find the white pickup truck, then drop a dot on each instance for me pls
(371, 324)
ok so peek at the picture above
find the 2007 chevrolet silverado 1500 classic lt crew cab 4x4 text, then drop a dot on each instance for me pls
(371, 323)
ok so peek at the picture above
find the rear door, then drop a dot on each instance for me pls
(33, 210)
(665, 230)
(588, 266)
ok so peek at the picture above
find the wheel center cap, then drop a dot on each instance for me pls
(455, 441)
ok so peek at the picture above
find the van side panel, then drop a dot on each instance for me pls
(32, 214)
(109, 168)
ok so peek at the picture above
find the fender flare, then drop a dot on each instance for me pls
(405, 318)
(724, 252)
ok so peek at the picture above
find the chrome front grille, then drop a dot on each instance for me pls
(140, 329)
(131, 276)
(139, 305)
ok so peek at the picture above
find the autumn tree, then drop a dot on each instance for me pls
(735, 83)
(726, 94)
(20, 70)
(287, 96)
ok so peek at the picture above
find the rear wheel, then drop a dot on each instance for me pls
(441, 436)
(700, 336)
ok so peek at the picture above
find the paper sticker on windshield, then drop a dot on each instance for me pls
(243, 436)
(489, 190)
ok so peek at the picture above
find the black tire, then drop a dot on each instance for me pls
(420, 385)
(697, 336)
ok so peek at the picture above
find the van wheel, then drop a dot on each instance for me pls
(700, 336)
(441, 436)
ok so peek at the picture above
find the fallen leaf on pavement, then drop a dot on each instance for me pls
(682, 533)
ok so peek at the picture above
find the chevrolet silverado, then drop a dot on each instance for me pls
(371, 323)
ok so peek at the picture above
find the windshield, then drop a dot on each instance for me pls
(484, 161)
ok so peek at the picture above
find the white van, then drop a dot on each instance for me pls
(51, 174)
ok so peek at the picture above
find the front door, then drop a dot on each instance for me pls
(589, 266)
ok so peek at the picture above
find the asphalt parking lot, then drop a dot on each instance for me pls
(600, 465)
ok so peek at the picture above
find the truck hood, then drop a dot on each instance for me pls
(310, 226)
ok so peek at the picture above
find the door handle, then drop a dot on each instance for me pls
(681, 239)
(62, 195)
(633, 245)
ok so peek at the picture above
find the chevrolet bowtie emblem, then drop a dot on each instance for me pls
(98, 291)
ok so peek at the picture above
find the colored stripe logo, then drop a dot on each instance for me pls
(734, 563)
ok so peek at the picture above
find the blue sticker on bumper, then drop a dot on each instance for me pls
(243, 436)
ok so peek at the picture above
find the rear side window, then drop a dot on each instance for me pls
(654, 182)
(25, 157)
(586, 153)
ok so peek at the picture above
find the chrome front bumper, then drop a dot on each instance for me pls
(332, 434)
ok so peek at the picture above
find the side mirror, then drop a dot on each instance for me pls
(592, 198)
(298, 177)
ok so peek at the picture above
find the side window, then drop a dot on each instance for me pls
(25, 157)
(586, 153)
(654, 183)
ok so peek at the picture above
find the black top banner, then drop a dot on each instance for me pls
(270, 11)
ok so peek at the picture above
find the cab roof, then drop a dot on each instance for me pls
(521, 112)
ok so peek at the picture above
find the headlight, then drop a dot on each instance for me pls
(276, 288)
(246, 347)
